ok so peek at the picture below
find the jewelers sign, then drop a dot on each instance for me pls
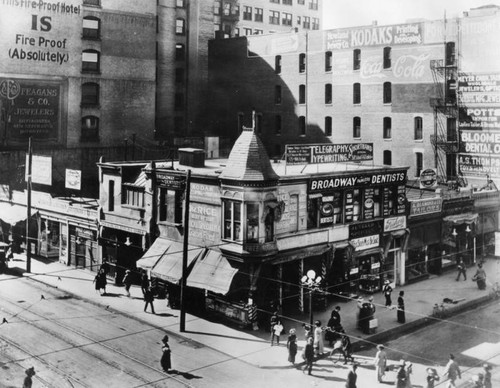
(328, 153)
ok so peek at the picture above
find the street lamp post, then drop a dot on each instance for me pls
(312, 283)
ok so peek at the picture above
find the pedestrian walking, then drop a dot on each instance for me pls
(291, 345)
(380, 362)
(452, 372)
(318, 339)
(277, 330)
(28, 381)
(105, 266)
(352, 377)
(409, 371)
(480, 277)
(461, 269)
(166, 358)
(347, 349)
(401, 375)
(360, 303)
(144, 282)
(487, 375)
(272, 322)
(401, 307)
(308, 355)
(387, 290)
(148, 299)
(432, 377)
(308, 332)
(333, 326)
(100, 282)
(127, 280)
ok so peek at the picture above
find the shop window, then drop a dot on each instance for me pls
(328, 126)
(277, 94)
(111, 196)
(277, 124)
(232, 219)
(387, 158)
(277, 64)
(132, 195)
(90, 94)
(418, 125)
(252, 222)
(451, 129)
(170, 206)
(269, 224)
(387, 93)
(387, 133)
(419, 163)
(353, 201)
(356, 127)
(356, 59)
(302, 94)
(180, 26)
(302, 126)
(328, 93)
(450, 53)
(328, 61)
(416, 266)
(302, 63)
(91, 28)
(387, 57)
(49, 240)
(90, 61)
(356, 93)
(259, 15)
(180, 52)
(90, 128)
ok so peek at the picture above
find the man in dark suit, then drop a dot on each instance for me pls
(352, 377)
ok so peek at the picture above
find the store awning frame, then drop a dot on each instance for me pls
(212, 272)
(459, 219)
(154, 253)
(12, 214)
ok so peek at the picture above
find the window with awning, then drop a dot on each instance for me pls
(212, 272)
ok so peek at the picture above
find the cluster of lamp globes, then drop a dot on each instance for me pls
(310, 280)
(455, 234)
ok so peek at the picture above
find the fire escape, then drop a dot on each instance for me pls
(445, 105)
(227, 16)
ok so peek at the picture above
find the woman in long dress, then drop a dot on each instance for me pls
(318, 339)
(166, 362)
(292, 346)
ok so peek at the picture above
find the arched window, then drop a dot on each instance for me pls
(302, 94)
(277, 64)
(90, 93)
(91, 61)
(328, 61)
(356, 127)
(91, 27)
(90, 128)
(419, 163)
(356, 93)
(302, 63)
(356, 59)
(328, 93)
(277, 94)
(418, 124)
(387, 93)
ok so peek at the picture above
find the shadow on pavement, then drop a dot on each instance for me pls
(225, 336)
(186, 375)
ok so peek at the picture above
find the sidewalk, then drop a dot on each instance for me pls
(253, 346)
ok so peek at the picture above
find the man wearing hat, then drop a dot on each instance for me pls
(452, 370)
(127, 280)
(387, 289)
(28, 382)
(432, 377)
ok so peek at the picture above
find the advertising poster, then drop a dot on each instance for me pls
(328, 153)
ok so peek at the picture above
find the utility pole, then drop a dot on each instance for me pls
(28, 202)
(185, 254)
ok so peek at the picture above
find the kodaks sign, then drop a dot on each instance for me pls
(325, 184)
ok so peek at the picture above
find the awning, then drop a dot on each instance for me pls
(154, 253)
(301, 253)
(169, 266)
(369, 251)
(12, 214)
(458, 219)
(212, 272)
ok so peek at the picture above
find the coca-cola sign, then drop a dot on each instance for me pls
(408, 67)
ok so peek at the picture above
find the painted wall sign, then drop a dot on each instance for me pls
(204, 223)
(325, 184)
(366, 242)
(479, 118)
(202, 192)
(478, 165)
(394, 223)
(457, 206)
(407, 66)
(31, 108)
(479, 89)
(402, 34)
(364, 229)
(425, 206)
(479, 142)
(328, 153)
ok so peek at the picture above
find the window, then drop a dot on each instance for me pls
(450, 53)
(419, 163)
(299, 21)
(132, 195)
(180, 52)
(302, 94)
(301, 2)
(328, 61)
(387, 128)
(180, 26)
(227, 30)
(236, 9)
(217, 5)
(232, 219)
(277, 124)
(418, 124)
(302, 126)
(387, 157)
(313, 4)
(356, 59)
(451, 91)
(307, 22)
(451, 166)
(277, 94)
(258, 32)
(252, 222)
(179, 101)
(179, 3)
(92, 2)
(90, 61)
(328, 126)
(217, 27)
(227, 9)
(288, 2)
(90, 93)
(236, 32)
(111, 196)
(90, 128)
(179, 75)
(328, 93)
(247, 13)
(356, 127)
(277, 64)
(269, 224)
(259, 15)
(170, 206)
(315, 25)
(387, 58)
(275, 1)
(302, 63)
(356, 93)
(451, 129)
(248, 31)
(387, 93)
(274, 17)
(91, 27)
(287, 19)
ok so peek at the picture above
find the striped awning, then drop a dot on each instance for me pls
(212, 272)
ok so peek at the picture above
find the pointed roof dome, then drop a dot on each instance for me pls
(248, 160)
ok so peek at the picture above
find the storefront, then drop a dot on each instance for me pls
(487, 205)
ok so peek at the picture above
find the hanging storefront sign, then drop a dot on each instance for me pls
(364, 229)
(425, 206)
(73, 179)
(367, 242)
(41, 169)
(328, 153)
(394, 223)
(171, 181)
(457, 206)
(428, 178)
